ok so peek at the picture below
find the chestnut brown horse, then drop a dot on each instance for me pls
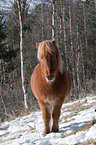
(50, 84)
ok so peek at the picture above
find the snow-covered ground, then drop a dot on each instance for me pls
(75, 126)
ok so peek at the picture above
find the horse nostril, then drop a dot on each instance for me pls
(53, 76)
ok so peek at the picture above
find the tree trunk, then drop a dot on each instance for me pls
(53, 9)
(42, 22)
(86, 45)
(21, 54)
(1, 88)
(65, 46)
(83, 67)
(77, 58)
(72, 51)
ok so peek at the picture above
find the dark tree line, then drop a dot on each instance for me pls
(72, 23)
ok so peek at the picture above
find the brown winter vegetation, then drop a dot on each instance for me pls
(72, 23)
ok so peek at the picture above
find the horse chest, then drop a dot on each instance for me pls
(52, 92)
(51, 105)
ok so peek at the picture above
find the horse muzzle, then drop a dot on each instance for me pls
(50, 78)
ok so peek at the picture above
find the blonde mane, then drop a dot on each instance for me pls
(46, 47)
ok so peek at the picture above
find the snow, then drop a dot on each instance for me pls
(27, 130)
(6, 4)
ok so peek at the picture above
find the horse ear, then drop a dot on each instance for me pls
(37, 45)
(54, 41)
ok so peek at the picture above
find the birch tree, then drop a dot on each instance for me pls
(53, 12)
(21, 54)
(70, 27)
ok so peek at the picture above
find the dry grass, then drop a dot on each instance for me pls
(79, 106)
(75, 108)
(87, 126)
(31, 130)
(91, 142)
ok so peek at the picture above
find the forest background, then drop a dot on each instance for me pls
(71, 22)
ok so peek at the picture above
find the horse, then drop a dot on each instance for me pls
(50, 84)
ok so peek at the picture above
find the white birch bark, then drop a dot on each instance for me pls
(21, 54)
(53, 9)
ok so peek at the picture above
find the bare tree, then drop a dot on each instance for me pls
(21, 54)
(53, 12)
(64, 29)
(77, 59)
(72, 51)
(42, 21)
(82, 63)
(85, 31)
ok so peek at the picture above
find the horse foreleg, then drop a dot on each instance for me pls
(55, 116)
(46, 117)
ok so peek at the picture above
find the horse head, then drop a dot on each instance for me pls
(50, 60)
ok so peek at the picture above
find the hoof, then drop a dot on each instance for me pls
(55, 130)
(45, 132)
